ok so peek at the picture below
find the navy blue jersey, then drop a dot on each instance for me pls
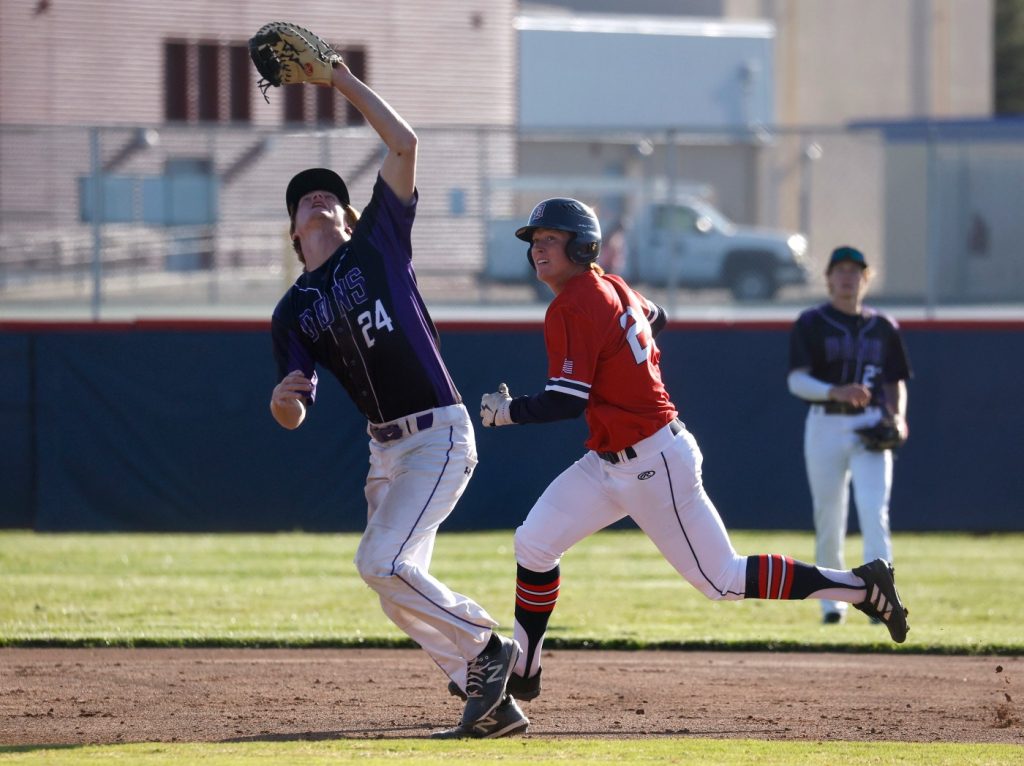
(839, 348)
(360, 315)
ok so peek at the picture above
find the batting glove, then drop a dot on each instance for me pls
(494, 408)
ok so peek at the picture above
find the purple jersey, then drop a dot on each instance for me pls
(839, 348)
(360, 315)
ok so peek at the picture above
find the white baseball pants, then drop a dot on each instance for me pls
(834, 456)
(413, 484)
(661, 490)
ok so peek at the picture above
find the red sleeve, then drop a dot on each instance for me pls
(572, 351)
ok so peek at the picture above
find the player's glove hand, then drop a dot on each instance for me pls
(885, 434)
(285, 54)
(494, 408)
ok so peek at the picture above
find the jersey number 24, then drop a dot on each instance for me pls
(379, 320)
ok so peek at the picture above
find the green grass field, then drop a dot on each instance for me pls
(964, 591)
(519, 752)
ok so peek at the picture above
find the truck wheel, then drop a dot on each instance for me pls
(752, 283)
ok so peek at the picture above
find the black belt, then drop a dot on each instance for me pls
(402, 427)
(630, 453)
(841, 408)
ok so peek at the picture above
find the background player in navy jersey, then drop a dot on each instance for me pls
(850, 363)
(641, 461)
(356, 312)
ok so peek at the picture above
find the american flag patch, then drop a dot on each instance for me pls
(567, 366)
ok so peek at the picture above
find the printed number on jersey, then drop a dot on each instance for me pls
(373, 324)
(871, 372)
(349, 292)
(638, 334)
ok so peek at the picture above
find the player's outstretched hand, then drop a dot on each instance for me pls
(494, 408)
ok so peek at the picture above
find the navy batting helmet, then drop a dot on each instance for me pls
(565, 214)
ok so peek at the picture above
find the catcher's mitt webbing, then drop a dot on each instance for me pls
(286, 54)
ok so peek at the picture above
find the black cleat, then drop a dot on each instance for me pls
(506, 720)
(883, 602)
(455, 691)
(832, 618)
(486, 676)
(524, 689)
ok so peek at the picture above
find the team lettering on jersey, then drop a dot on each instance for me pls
(349, 292)
(854, 349)
(840, 348)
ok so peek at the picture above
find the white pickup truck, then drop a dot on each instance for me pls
(691, 244)
(687, 244)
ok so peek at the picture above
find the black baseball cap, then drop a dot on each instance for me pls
(847, 253)
(314, 179)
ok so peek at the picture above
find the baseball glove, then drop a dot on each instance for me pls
(883, 435)
(285, 54)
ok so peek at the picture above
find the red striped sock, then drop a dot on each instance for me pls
(536, 596)
(774, 576)
(781, 577)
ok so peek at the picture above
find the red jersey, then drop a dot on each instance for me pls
(600, 348)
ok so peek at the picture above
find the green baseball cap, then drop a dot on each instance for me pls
(847, 253)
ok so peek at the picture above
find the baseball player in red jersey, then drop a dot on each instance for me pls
(641, 463)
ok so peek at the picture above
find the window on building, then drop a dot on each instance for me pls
(295, 105)
(325, 105)
(356, 60)
(207, 82)
(176, 82)
(213, 82)
(241, 83)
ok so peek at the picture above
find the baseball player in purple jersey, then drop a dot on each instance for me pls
(641, 461)
(850, 363)
(356, 312)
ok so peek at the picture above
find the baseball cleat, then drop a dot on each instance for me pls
(883, 602)
(455, 691)
(833, 618)
(486, 676)
(524, 689)
(506, 720)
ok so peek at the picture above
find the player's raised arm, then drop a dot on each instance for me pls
(286, 54)
(399, 167)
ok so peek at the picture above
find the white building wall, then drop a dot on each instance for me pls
(838, 60)
(101, 61)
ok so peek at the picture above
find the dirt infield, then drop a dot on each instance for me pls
(79, 696)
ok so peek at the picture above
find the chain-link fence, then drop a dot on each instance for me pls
(172, 220)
